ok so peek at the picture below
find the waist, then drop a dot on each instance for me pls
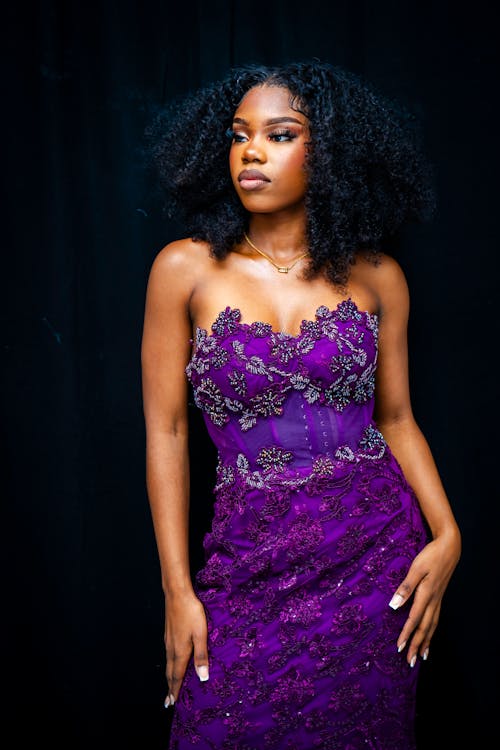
(275, 465)
(305, 430)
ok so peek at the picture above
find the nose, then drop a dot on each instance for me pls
(253, 151)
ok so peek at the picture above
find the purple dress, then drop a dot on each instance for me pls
(314, 527)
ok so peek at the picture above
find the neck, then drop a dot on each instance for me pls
(281, 239)
(282, 268)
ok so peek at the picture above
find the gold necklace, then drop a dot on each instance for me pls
(281, 269)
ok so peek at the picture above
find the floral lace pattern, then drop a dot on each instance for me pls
(314, 526)
(229, 352)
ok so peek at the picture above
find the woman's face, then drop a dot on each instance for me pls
(268, 151)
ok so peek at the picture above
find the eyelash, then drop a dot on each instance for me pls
(288, 134)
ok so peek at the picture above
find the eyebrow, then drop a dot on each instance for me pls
(271, 121)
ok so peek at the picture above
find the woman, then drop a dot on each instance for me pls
(332, 540)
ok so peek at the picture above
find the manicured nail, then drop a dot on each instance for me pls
(396, 601)
(172, 699)
(425, 654)
(401, 647)
(413, 660)
(167, 702)
(202, 673)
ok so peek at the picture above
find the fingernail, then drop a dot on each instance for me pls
(425, 654)
(413, 661)
(202, 673)
(396, 601)
(401, 647)
(167, 702)
(172, 699)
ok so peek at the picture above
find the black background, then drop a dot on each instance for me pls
(81, 598)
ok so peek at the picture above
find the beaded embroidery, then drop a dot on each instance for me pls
(310, 535)
(283, 366)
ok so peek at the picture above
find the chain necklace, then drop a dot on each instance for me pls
(281, 269)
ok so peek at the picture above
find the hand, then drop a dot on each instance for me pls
(185, 632)
(427, 579)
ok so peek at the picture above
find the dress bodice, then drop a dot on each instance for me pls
(314, 526)
(277, 401)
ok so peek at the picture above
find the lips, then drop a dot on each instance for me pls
(252, 179)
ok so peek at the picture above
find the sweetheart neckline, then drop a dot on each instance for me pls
(242, 325)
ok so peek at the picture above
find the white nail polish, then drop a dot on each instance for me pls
(401, 647)
(413, 661)
(167, 702)
(396, 601)
(202, 673)
(425, 654)
(172, 699)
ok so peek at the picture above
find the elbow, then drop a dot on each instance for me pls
(171, 430)
(399, 419)
(171, 425)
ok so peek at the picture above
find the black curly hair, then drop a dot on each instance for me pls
(367, 171)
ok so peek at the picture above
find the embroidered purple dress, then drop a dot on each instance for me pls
(314, 526)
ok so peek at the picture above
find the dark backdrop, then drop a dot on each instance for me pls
(81, 598)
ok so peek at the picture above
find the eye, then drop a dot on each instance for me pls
(281, 136)
(233, 136)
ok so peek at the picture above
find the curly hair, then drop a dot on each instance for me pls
(367, 171)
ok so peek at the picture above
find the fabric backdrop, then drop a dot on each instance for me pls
(81, 599)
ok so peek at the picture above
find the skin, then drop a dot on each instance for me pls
(187, 288)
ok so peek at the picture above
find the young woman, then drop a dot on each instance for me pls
(332, 540)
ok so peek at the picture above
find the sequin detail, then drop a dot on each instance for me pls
(281, 362)
(314, 525)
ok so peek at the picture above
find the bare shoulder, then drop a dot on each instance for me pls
(385, 278)
(183, 256)
(174, 275)
(178, 267)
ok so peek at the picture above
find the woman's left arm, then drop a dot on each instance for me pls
(431, 570)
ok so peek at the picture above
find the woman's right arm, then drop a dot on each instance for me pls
(165, 352)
